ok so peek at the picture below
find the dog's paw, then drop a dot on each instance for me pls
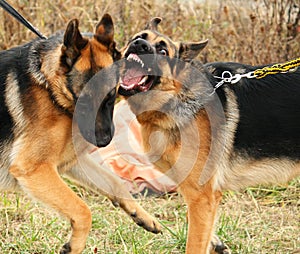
(222, 249)
(218, 247)
(66, 249)
(139, 215)
(145, 220)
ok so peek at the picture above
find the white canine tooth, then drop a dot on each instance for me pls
(143, 80)
(129, 57)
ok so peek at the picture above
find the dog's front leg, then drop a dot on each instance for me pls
(102, 180)
(202, 203)
(43, 183)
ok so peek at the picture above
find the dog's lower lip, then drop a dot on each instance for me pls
(129, 86)
(143, 86)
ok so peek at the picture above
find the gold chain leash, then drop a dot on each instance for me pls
(289, 66)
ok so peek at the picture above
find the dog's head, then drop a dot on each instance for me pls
(149, 56)
(82, 57)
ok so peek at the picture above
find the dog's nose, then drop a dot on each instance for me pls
(142, 46)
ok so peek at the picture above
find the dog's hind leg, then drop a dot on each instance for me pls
(102, 180)
(43, 183)
(202, 203)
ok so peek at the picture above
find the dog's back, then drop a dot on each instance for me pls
(269, 112)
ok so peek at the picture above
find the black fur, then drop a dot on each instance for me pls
(6, 125)
(15, 61)
(269, 110)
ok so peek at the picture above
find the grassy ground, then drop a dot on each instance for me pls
(258, 220)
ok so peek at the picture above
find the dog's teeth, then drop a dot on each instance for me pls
(143, 80)
(134, 57)
(130, 57)
(127, 87)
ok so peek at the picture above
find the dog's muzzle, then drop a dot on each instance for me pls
(140, 47)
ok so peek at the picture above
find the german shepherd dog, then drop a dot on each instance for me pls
(40, 83)
(253, 139)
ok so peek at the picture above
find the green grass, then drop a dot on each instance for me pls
(261, 220)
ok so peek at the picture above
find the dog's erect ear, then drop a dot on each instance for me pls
(105, 30)
(73, 43)
(188, 51)
(152, 25)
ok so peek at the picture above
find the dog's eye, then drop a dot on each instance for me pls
(163, 52)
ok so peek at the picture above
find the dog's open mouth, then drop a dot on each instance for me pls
(137, 75)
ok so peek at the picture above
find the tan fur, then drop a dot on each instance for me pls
(100, 59)
(202, 200)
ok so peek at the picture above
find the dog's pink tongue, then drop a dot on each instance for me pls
(132, 77)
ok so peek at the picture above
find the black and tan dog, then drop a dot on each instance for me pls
(253, 139)
(40, 83)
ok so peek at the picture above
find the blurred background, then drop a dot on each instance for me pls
(253, 32)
